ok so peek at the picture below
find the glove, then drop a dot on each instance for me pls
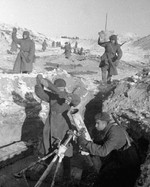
(62, 149)
(82, 132)
(39, 77)
(71, 132)
(62, 94)
(44, 83)
(116, 63)
(68, 100)
(82, 141)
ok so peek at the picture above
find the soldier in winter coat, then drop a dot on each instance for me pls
(44, 45)
(25, 58)
(67, 48)
(119, 158)
(110, 58)
(56, 124)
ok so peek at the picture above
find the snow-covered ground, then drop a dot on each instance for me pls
(83, 70)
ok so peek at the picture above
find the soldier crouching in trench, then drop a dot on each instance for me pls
(119, 158)
(56, 123)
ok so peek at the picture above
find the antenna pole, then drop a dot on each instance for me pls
(106, 23)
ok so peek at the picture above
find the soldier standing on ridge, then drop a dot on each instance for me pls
(25, 58)
(76, 47)
(53, 43)
(67, 50)
(44, 45)
(81, 51)
(110, 58)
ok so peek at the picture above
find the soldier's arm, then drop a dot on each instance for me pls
(108, 146)
(52, 87)
(102, 44)
(71, 100)
(41, 93)
(15, 39)
(39, 90)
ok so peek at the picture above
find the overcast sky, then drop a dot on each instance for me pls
(83, 18)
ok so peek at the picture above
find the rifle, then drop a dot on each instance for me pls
(123, 43)
(126, 135)
(10, 144)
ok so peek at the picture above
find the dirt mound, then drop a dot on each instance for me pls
(131, 97)
(6, 32)
(130, 101)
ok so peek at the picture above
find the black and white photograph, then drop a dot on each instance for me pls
(74, 93)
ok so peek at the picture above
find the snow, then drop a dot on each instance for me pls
(78, 72)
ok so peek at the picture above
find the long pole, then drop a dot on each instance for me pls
(106, 23)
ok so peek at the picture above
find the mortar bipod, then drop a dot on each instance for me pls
(60, 153)
(22, 172)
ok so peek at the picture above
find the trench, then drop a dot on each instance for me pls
(135, 131)
(140, 136)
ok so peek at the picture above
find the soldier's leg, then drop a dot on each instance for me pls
(109, 76)
(67, 168)
(104, 74)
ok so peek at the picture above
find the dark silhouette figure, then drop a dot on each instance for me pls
(44, 45)
(32, 129)
(53, 44)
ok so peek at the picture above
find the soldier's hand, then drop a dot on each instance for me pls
(68, 100)
(44, 83)
(39, 77)
(62, 94)
(82, 141)
(101, 35)
(62, 149)
(82, 132)
(70, 132)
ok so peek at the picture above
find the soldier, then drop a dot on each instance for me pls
(25, 58)
(59, 44)
(53, 44)
(110, 58)
(56, 125)
(44, 45)
(57, 121)
(120, 163)
(81, 51)
(67, 50)
(76, 47)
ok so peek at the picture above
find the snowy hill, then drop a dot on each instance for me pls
(143, 43)
(5, 36)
